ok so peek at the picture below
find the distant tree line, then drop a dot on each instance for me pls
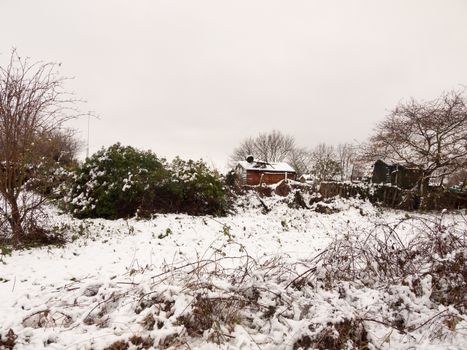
(325, 162)
(430, 136)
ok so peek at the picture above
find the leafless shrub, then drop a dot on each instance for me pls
(381, 257)
(33, 110)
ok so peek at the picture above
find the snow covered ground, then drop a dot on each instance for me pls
(93, 292)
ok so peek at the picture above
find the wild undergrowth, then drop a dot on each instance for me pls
(429, 258)
(396, 285)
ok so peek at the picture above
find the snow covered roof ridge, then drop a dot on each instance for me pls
(266, 166)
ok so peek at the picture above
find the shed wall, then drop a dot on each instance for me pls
(254, 178)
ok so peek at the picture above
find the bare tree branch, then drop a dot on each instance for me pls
(431, 136)
(33, 109)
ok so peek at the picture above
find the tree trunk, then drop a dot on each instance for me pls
(425, 180)
(15, 221)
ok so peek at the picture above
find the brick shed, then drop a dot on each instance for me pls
(257, 172)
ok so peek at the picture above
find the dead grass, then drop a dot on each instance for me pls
(8, 342)
(142, 343)
(118, 345)
(335, 336)
(214, 314)
(136, 342)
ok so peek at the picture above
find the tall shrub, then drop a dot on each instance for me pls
(115, 182)
(198, 188)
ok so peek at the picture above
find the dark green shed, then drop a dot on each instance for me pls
(403, 176)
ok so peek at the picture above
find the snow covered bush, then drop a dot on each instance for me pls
(115, 182)
(122, 181)
(196, 189)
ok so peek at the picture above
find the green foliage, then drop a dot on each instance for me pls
(4, 251)
(115, 182)
(227, 233)
(120, 182)
(197, 189)
(230, 179)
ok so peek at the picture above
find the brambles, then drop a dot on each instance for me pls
(118, 345)
(383, 256)
(400, 288)
(344, 296)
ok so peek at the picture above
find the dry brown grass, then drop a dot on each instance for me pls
(8, 342)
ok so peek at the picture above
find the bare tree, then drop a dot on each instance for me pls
(300, 159)
(269, 147)
(346, 154)
(61, 146)
(325, 165)
(431, 136)
(33, 108)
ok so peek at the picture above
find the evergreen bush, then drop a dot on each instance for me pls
(122, 181)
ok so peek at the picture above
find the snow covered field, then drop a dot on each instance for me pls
(135, 279)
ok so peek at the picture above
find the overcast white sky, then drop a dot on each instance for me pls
(193, 78)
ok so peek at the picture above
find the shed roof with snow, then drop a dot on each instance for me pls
(280, 167)
(254, 173)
